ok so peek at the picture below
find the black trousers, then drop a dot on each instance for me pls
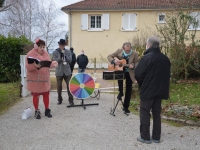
(146, 106)
(59, 87)
(128, 91)
(72, 67)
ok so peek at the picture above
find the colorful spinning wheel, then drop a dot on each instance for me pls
(81, 85)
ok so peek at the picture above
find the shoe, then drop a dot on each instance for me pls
(71, 103)
(48, 113)
(126, 110)
(37, 114)
(60, 101)
(144, 141)
(119, 97)
(156, 141)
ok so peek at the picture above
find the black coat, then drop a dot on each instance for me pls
(82, 61)
(153, 75)
(73, 58)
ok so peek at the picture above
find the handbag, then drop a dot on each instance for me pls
(27, 113)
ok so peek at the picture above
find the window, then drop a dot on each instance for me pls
(161, 18)
(92, 22)
(95, 22)
(196, 16)
(129, 22)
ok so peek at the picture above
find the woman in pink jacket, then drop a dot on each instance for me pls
(38, 79)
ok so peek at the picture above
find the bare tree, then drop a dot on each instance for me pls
(3, 6)
(32, 19)
(19, 19)
(48, 26)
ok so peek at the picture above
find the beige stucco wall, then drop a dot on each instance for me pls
(96, 43)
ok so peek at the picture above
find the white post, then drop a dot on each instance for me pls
(24, 91)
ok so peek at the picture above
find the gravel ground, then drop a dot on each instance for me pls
(90, 129)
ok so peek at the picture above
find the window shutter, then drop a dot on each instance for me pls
(125, 21)
(133, 21)
(105, 21)
(84, 22)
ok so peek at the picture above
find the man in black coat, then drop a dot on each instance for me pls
(153, 77)
(73, 62)
(82, 61)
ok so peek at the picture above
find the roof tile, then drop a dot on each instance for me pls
(130, 4)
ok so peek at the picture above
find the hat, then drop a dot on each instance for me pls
(62, 42)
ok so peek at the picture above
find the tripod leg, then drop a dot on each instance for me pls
(113, 110)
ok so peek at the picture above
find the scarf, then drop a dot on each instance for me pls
(126, 56)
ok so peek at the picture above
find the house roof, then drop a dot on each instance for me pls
(130, 4)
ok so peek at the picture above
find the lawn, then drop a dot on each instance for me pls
(9, 95)
(185, 94)
(184, 101)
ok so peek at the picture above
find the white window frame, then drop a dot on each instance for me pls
(129, 22)
(161, 21)
(196, 15)
(86, 22)
(89, 24)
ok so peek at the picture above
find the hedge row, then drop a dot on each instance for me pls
(10, 50)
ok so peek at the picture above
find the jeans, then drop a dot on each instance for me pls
(59, 87)
(145, 107)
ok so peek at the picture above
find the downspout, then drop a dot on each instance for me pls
(70, 28)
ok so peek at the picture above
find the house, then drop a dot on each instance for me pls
(101, 26)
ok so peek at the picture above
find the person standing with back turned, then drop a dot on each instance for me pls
(153, 77)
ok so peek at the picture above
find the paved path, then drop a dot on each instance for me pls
(90, 129)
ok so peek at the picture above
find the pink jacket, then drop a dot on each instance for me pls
(38, 81)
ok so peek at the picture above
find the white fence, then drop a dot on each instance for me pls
(24, 91)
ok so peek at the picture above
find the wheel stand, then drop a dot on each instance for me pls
(82, 104)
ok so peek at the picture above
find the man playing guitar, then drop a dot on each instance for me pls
(131, 57)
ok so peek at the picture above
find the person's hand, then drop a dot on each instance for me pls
(55, 63)
(37, 65)
(117, 62)
(131, 65)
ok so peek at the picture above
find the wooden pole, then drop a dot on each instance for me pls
(94, 65)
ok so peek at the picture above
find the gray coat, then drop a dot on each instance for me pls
(62, 69)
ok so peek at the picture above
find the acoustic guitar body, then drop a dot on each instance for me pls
(112, 67)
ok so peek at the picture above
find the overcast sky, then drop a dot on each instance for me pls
(63, 16)
(61, 3)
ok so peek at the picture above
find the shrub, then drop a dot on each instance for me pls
(11, 49)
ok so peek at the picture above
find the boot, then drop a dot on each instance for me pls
(48, 113)
(60, 101)
(37, 114)
(120, 95)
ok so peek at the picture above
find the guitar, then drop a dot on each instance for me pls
(114, 67)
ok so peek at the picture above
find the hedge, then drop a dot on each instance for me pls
(10, 50)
